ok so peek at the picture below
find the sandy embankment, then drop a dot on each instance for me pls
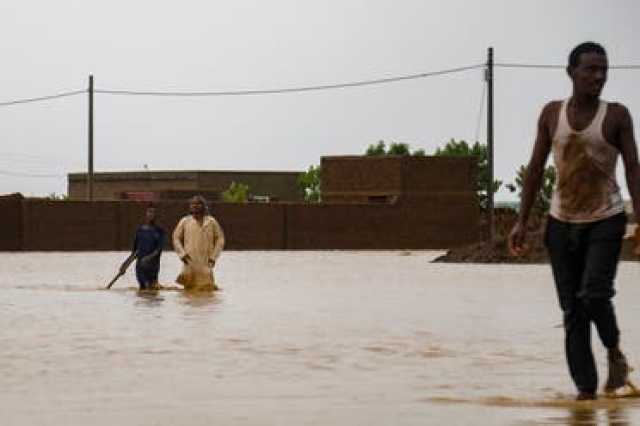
(498, 251)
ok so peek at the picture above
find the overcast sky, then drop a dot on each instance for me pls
(51, 47)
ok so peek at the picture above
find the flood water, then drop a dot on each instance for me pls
(295, 338)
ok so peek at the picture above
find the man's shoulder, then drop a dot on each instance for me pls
(552, 107)
(617, 117)
(184, 219)
(617, 109)
(210, 218)
(549, 115)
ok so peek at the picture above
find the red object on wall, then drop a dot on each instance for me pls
(144, 196)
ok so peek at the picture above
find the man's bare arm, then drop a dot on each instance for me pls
(532, 180)
(535, 168)
(630, 158)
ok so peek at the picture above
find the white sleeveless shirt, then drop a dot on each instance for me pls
(586, 189)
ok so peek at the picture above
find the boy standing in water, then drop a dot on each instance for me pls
(147, 248)
(586, 222)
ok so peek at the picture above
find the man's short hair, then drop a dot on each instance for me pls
(586, 47)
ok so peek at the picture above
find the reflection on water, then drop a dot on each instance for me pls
(569, 412)
(149, 298)
(299, 338)
(589, 416)
(199, 299)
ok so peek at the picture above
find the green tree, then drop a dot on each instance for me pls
(543, 200)
(398, 149)
(395, 148)
(309, 182)
(462, 148)
(236, 193)
(377, 149)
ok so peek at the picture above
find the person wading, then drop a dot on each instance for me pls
(147, 249)
(198, 241)
(586, 222)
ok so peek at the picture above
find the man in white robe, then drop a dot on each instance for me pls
(198, 241)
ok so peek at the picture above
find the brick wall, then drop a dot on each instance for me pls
(354, 178)
(439, 225)
(439, 174)
(443, 221)
(72, 225)
(11, 220)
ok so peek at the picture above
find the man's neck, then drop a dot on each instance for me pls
(198, 217)
(584, 102)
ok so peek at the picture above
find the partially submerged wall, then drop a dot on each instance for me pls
(11, 220)
(436, 222)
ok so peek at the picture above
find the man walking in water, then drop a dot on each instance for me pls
(586, 222)
(198, 241)
(147, 248)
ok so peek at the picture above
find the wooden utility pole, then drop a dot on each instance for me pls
(90, 171)
(489, 78)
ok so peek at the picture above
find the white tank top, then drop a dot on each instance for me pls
(586, 189)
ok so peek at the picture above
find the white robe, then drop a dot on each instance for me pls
(203, 243)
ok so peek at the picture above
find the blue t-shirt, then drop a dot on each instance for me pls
(149, 238)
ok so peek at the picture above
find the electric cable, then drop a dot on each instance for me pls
(42, 98)
(292, 89)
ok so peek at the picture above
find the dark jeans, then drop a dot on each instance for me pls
(584, 259)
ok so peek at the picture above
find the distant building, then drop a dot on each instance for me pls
(180, 185)
(388, 179)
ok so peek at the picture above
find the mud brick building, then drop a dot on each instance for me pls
(180, 185)
(389, 179)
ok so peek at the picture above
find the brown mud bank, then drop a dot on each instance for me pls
(498, 251)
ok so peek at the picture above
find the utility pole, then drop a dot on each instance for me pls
(489, 79)
(90, 171)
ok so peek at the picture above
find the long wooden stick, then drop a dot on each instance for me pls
(118, 275)
(122, 269)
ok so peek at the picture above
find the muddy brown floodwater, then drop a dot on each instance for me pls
(295, 338)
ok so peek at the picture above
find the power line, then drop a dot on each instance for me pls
(539, 66)
(42, 98)
(30, 175)
(12, 156)
(299, 89)
(553, 66)
(293, 89)
(625, 67)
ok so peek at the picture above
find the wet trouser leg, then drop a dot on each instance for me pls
(147, 277)
(584, 259)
